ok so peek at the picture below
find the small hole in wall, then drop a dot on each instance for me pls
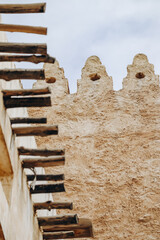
(140, 75)
(94, 76)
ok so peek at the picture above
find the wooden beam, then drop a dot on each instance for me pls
(28, 120)
(32, 48)
(43, 162)
(82, 229)
(26, 58)
(25, 92)
(58, 220)
(12, 74)
(48, 188)
(40, 152)
(58, 235)
(22, 28)
(27, 102)
(46, 177)
(42, 131)
(53, 205)
(23, 8)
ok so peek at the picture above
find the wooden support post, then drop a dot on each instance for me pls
(22, 28)
(28, 120)
(82, 229)
(48, 188)
(17, 102)
(58, 235)
(42, 131)
(32, 48)
(40, 152)
(53, 205)
(12, 74)
(25, 92)
(46, 177)
(43, 162)
(23, 8)
(26, 58)
(58, 220)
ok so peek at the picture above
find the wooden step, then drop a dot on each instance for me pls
(28, 120)
(26, 58)
(25, 92)
(23, 8)
(32, 48)
(40, 152)
(48, 188)
(12, 74)
(42, 131)
(43, 162)
(53, 205)
(17, 102)
(45, 177)
(22, 28)
(58, 220)
(82, 229)
(58, 235)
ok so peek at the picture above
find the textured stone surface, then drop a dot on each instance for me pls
(112, 142)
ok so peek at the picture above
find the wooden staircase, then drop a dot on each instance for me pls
(55, 227)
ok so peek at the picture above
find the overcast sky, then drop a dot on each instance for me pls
(114, 30)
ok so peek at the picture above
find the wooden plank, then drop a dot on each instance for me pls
(42, 131)
(12, 74)
(22, 28)
(27, 102)
(25, 92)
(28, 120)
(46, 177)
(32, 48)
(26, 58)
(82, 229)
(58, 220)
(43, 162)
(48, 188)
(53, 205)
(40, 152)
(23, 8)
(58, 235)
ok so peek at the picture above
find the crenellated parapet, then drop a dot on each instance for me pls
(94, 77)
(140, 74)
(95, 80)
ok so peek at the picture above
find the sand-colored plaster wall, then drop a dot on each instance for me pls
(112, 142)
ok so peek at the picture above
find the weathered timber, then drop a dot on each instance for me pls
(46, 177)
(53, 205)
(22, 28)
(42, 131)
(40, 152)
(23, 8)
(25, 92)
(58, 220)
(11, 74)
(82, 229)
(17, 102)
(26, 58)
(32, 48)
(58, 235)
(28, 120)
(48, 188)
(43, 162)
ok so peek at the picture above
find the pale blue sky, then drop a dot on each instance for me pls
(114, 30)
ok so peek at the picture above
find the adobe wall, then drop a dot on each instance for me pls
(112, 142)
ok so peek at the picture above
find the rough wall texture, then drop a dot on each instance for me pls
(112, 142)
